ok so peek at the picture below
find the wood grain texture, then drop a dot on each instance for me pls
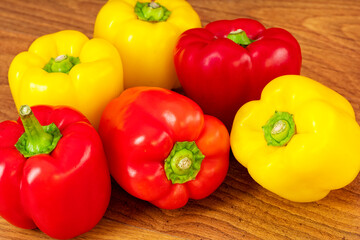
(329, 34)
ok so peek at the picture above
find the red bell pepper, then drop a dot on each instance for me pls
(53, 177)
(227, 63)
(162, 148)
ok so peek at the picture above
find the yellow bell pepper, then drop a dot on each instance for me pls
(300, 140)
(66, 68)
(145, 34)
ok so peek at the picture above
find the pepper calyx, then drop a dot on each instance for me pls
(183, 162)
(239, 37)
(62, 63)
(36, 139)
(151, 12)
(279, 129)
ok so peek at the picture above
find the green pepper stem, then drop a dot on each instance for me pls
(183, 162)
(151, 12)
(239, 37)
(37, 139)
(62, 63)
(279, 129)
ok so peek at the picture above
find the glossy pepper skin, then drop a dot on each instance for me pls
(92, 70)
(147, 134)
(221, 75)
(145, 35)
(65, 192)
(323, 153)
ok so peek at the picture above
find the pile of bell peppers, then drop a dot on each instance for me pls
(161, 146)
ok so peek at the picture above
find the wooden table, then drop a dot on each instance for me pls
(329, 34)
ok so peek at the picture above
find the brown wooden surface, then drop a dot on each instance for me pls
(329, 35)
